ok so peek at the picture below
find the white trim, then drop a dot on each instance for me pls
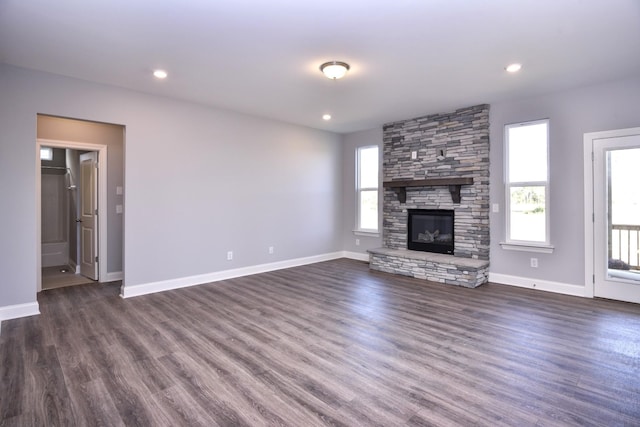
(528, 247)
(542, 285)
(128, 291)
(358, 256)
(365, 233)
(102, 201)
(113, 276)
(360, 189)
(508, 184)
(589, 267)
(625, 276)
(19, 310)
(589, 202)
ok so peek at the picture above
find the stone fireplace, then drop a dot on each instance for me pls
(436, 163)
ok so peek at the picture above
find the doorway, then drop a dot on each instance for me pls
(614, 232)
(67, 191)
(69, 234)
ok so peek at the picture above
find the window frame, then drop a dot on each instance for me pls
(531, 245)
(359, 229)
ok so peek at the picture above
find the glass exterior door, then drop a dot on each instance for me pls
(617, 218)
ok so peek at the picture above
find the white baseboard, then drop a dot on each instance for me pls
(356, 255)
(543, 285)
(112, 277)
(19, 310)
(128, 291)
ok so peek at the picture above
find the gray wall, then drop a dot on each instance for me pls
(350, 143)
(608, 106)
(199, 182)
(112, 136)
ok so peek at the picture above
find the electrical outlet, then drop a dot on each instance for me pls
(534, 262)
(229, 255)
(270, 249)
(496, 207)
(414, 155)
(357, 242)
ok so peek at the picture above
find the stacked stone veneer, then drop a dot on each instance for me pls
(464, 135)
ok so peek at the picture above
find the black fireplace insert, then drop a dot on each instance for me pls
(430, 230)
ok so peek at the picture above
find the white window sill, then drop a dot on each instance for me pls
(366, 233)
(528, 247)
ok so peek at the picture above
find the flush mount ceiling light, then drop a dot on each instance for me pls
(334, 69)
(326, 117)
(513, 68)
(160, 74)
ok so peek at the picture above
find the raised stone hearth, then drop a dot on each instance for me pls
(448, 269)
(436, 162)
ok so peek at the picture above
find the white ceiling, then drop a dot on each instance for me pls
(408, 57)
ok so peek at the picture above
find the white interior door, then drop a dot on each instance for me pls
(88, 253)
(616, 197)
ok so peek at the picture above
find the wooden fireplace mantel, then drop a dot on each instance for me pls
(454, 184)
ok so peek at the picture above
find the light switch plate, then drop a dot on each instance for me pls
(119, 190)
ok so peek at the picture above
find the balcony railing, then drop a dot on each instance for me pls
(625, 244)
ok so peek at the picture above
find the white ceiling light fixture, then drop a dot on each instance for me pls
(160, 74)
(326, 117)
(334, 69)
(513, 68)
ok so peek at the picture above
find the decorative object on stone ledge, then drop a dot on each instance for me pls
(400, 187)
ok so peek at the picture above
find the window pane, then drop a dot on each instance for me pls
(527, 152)
(46, 153)
(369, 167)
(369, 210)
(528, 219)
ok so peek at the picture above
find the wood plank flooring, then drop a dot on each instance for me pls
(325, 344)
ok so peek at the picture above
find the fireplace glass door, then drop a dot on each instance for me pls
(431, 230)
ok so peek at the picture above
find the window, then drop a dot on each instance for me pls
(46, 153)
(527, 183)
(367, 188)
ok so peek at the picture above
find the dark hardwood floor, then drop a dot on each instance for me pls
(325, 344)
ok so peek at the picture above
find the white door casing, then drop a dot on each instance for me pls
(102, 151)
(599, 279)
(88, 212)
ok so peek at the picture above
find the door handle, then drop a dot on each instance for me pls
(78, 220)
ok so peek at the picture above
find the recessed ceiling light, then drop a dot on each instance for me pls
(326, 117)
(513, 68)
(160, 74)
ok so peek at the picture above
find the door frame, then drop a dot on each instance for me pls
(101, 149)
(589, 208)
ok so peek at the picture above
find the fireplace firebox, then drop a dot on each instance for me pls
(430, 230)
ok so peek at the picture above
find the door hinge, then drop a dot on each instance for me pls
(593, 156)
(593, 278)
(96, 212)
(593, 217)
(96, 259)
